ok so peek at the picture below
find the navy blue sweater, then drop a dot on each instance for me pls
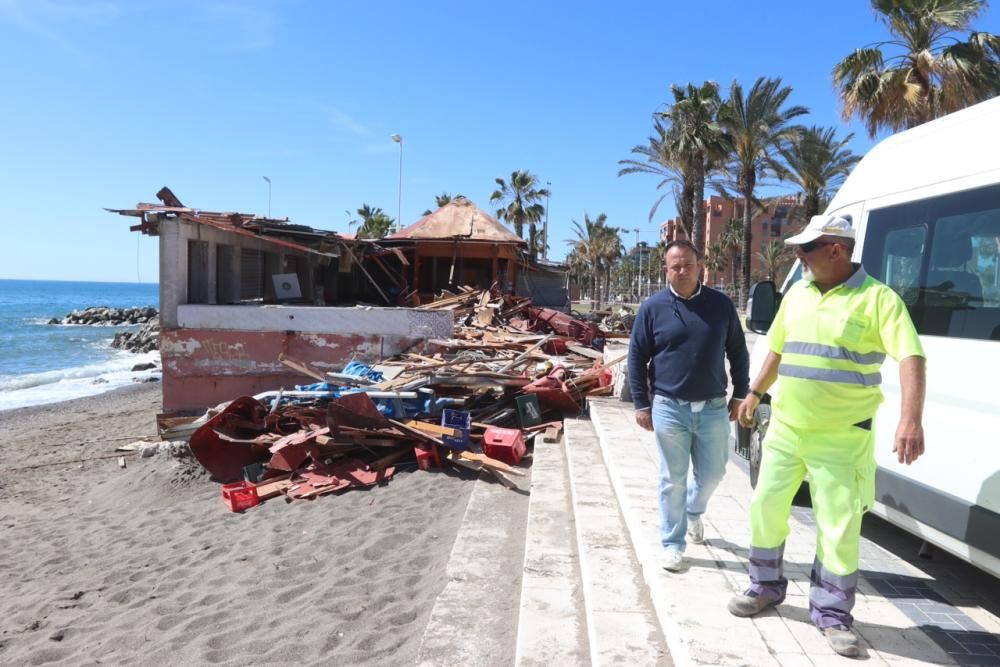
(678, 348)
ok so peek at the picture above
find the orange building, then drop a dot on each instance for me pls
(775, 222)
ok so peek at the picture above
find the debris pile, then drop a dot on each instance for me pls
(507, 376)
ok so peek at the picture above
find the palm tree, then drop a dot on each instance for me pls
(375, 224)
(520, 199)
(698, 143)
(818, 162)
(599, 246)
(658, 159)
(716, 262)
(758, 126)
(612, 249)
(775, 257)
(930, 71)
(442, 199)
(657, 254)
(579, 269)
(730, 245)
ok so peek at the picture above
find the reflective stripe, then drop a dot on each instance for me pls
(831, 352)
(829, 375)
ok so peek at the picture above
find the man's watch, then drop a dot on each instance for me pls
(760, 396)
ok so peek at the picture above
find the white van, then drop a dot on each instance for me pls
(926, 207)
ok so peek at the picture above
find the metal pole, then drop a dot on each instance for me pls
(399, 202)
(641, 285)
(268, 196)
(545, 228)
(636, 230)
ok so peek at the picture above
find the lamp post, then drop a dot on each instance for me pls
(399, 202)
(638, 275)
(545, 227)
(268, 196)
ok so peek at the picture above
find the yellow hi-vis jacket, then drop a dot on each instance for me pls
(832, 347)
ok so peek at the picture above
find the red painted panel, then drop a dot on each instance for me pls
(205, 367)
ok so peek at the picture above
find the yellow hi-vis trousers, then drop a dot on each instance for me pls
(841, 467)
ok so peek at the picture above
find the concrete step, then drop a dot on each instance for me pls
(622, 626)
(552, 627)
(474, 616)
(690, 606)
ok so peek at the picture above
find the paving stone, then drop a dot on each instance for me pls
(897, 602)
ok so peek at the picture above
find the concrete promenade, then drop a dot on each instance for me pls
(901, 618)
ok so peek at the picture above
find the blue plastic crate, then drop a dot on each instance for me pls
(462, 422)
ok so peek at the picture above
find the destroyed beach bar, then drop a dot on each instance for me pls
(318, 362)
(238, 291)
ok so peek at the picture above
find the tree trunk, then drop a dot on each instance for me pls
(747, 241)
(687, 204)
(607, 284)
(519, 228)
(811, 205)
(532, 243)
(698, 207)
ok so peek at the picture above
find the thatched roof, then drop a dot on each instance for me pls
(459, 218)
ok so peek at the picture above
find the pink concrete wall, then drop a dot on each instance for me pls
(205, 367)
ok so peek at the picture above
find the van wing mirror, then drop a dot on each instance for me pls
(762, 306)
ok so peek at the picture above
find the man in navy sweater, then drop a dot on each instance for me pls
(677, 373)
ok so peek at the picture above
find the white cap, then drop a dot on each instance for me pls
(822, 225)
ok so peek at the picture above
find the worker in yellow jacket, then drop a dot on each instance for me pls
(828, 341)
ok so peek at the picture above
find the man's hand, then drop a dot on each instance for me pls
(734, 409)
(746, 410)
(644, 418)
(909, 444)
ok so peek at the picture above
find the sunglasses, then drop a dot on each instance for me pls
(812, 245)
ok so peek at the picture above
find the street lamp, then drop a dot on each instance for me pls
(399, 203)
(545, 227)
(638, 276)
(268, 196)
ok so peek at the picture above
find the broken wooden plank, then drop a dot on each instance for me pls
(273, 487)
(486, 461)
(433, 429)
(526, 353)
(551, 434)
(301, 367)
(418, 434)
(585, 352)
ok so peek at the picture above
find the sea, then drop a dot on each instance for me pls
(44, 363)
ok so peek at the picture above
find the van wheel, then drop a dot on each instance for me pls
(757, 433)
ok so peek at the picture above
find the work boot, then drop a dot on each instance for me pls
(744, 605)
(842, 640)
(671, 559)
(696, 530)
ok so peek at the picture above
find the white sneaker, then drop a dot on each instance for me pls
(696, 530)
(671, 559)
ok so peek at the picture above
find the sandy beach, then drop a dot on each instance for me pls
(146, 564)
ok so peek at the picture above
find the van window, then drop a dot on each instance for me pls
(941, 256)
(794, 277)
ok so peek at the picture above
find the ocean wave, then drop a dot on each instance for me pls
(118, 364)
(96, 325)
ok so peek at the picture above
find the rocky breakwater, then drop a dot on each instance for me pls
(146, 339)
(109, 317)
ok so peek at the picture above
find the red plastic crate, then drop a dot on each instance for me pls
(504, 444)
(427, 458)
(240, 496)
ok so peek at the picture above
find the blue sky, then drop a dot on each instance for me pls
(105, 102)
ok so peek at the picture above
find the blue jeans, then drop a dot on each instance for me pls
(683, 436)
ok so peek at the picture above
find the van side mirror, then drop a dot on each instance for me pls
(762, 306)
